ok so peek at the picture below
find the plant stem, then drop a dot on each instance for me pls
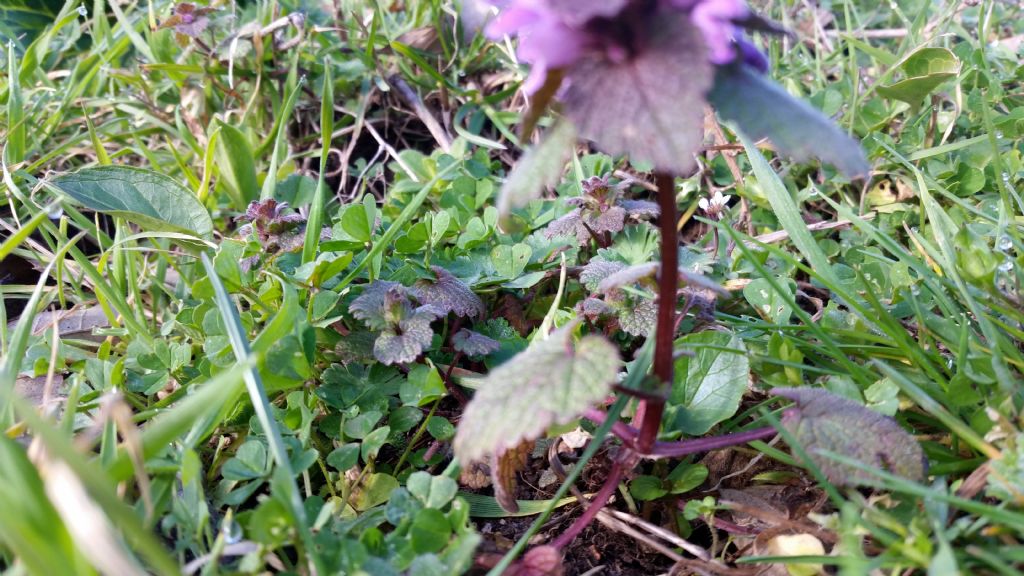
(677, 449)
(595, 506)
(650, 411)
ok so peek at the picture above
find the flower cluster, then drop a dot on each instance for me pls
(556, 34)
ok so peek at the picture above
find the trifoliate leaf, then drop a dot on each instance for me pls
(649, 105)
(406, 340)
(369, 306)
(762, 109)
(448, 294)
(473, 343)
(823, 421)
(549, 383)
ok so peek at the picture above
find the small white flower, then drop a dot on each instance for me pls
(715, 205)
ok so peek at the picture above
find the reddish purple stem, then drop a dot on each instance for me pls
(649, 412)
(600, 499)
(686, 447)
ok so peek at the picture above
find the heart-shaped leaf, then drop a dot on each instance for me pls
(149, 199)
(549, 383)
(825, 422)
(510, 261)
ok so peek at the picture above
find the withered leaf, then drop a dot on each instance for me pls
(823, 421)
(504, 468)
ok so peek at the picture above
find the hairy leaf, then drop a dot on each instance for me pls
(823, 421)
(637, 315)
(369, 306)
(597, 270)
(762, 109)
(539, 168)
(549, 383)
(649, 106)
(406, 340)
(449, 294)
(474, 343)
(640, 209)
(627, 277)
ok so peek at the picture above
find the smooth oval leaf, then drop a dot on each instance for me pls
(708, 386)
(549, 383)
(149, 199)
(825, 422)
(924, 71)
(762, 109)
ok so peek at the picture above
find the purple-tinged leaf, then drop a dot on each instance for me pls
(640, 209)
(597, 270)
(638, 316)
(474, 343)
(650, 105)
(448, 294)
(549, 383)
(762, 109)
(823, 421)
(593, 308)
(369, 306)
(406, 341)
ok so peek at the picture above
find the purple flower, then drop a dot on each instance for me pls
(545, 40)
(557, 34)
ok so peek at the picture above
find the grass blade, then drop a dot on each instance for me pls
(261, 405)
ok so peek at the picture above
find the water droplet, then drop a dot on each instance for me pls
(1006, 266)
(1006, 177)
(949, 364)
(1005, 244)
(814, 192)
(999, 134)
(915, 291)
(55, 213)
(232, 531)
(82, 11)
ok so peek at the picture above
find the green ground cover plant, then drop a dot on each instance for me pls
(378, 287)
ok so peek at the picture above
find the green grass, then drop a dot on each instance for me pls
(228, 412)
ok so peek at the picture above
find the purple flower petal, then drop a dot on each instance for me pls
(715, 20)
(752, 57)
